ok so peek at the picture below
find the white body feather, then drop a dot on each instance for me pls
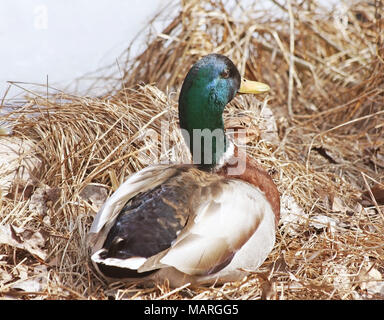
(238, 221)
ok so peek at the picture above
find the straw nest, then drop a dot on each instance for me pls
(319, 133)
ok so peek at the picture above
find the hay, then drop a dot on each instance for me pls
(326, 156)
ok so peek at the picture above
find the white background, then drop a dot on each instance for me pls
(66, 39)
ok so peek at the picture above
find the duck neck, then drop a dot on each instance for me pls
(202, 127)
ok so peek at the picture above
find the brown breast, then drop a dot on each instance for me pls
(256, 175)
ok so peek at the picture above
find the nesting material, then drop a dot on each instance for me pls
(325, 152)
(18, 164)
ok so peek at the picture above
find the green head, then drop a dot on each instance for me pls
(209, 86)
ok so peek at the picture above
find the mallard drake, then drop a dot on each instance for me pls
(192, 223)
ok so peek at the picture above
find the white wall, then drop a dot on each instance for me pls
(65, 39)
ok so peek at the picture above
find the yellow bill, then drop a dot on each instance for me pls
(248, 86)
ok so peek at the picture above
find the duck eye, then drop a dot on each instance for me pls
(225, 74)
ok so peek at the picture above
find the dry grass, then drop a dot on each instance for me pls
(328, 101)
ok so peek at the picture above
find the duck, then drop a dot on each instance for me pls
(201, 223)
